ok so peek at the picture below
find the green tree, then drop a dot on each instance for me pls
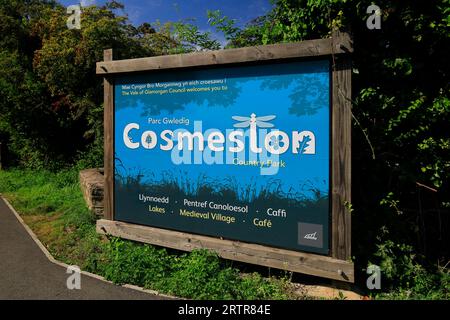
(51, 112)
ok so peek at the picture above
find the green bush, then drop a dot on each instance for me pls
(255, 287)
(196, 275)
(199, 275)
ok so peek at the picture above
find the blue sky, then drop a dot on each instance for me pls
(140, 11)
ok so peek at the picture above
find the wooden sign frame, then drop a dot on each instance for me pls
(338, 264)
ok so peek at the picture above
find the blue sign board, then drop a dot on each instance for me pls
(240, 153)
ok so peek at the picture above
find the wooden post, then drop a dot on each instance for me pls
(341, 155)
(108, 125)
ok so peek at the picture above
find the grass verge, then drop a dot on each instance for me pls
(53, 206)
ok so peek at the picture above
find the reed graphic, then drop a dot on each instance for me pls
(179, 184)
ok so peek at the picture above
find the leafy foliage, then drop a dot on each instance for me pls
(52, 205)
(51, 112)
(304, 143)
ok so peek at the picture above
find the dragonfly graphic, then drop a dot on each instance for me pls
(253, 122)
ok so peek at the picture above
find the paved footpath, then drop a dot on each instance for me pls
(26, 272)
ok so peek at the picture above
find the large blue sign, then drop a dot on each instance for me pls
(240, 153)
